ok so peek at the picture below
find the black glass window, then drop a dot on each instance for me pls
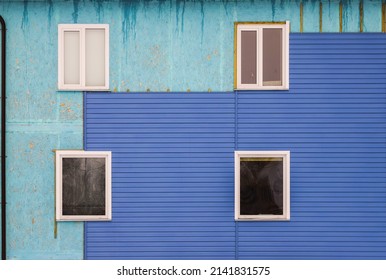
(261, 186)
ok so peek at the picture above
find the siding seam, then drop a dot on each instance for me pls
(236, 147)
(85, 148)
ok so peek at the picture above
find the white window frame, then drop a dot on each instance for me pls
(258, 27)
(81, 28)
(59, 155)
(285, 155)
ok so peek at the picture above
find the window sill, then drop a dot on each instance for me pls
(262, 88)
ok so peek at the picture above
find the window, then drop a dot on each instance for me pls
(83, 57)
(262, 185)
(262, 56)
(83, 185)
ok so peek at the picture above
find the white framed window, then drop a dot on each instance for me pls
(262, 56)
(83, 185)
(83, 57)
(262, 185)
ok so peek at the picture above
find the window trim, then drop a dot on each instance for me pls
(81, 28)
(59, 155)
(285, 155)
(258, 26)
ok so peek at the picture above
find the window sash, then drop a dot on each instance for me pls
(240, 27)
(285, 156)
(82, 29)
(59, 156)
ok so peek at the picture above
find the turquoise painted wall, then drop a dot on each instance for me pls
(154, 46)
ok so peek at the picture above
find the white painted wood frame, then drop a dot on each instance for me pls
(259, 38)
(59, 155)
(82, 29)
(285, 156)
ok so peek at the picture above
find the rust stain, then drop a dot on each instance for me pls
(208, 57)
(383, 17)
(361, 16)
(301, 16)
(33, 221)
(31, 145)
(55, 229)
(320, 17)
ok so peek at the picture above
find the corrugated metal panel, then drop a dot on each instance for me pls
(172, 175)
(333, 120)
(173, 161)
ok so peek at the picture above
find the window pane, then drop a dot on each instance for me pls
(261, 186)
(72, 57)
(95, 57)
(272, 57)
(83, 186)
(248, 57)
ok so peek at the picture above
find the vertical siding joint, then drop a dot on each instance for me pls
(236, 148)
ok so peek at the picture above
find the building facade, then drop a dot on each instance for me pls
(173, 120)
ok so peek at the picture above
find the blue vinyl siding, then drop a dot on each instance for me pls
(333, 120)
(172, 168)
(173, 183)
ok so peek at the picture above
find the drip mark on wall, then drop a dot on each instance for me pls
(99, 9)
(129, 21)
(50, 13)
(202, 21)
(24, 22)
(178, 4)
(273, 2)
(76, 11)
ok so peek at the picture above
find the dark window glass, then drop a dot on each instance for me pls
(261, 186)
(83, 190)
(248, 57)
(272, 57)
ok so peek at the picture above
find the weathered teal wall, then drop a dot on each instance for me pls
(154, 46)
